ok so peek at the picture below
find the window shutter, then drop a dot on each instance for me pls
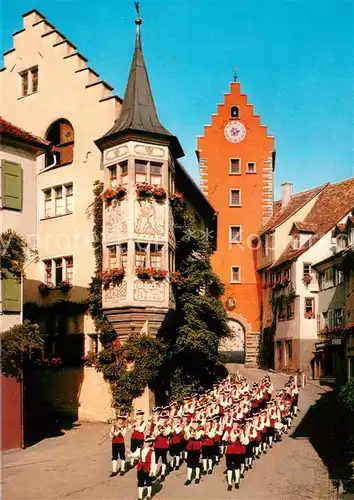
(11, 294)
(11, 185)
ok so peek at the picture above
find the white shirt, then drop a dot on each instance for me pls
(144, 453)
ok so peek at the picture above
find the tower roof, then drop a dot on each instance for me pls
(138, 114)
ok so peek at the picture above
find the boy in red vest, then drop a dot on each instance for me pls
(146, 467)
(117, 434)
(194, 449)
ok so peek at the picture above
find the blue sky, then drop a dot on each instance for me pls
(295, 60)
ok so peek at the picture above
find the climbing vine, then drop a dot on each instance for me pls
(13, 254)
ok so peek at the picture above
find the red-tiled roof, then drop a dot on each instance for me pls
(296, 202)
(8, 129)
(304, 227)
(334, 202)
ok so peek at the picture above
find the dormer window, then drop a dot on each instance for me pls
(295, 243)
(342, 242)
(234, 112)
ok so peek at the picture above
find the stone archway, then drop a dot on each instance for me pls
(234, 347)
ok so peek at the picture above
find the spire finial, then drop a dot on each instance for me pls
(235, 74)
(138, 22)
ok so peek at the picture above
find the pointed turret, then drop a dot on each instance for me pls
(138, 117)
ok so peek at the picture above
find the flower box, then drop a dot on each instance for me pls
(65, 286)
(159, 193)
(309, 315)
(144, 190)
(159, 274)
(143, 273)
(45, 288)
(120, 192)
(307, 279)
(176, 278)
(111, 194)
(112, 277)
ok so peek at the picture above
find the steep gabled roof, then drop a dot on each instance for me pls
(304, 227)
(7, 129)
(296, 202)
(334, 202)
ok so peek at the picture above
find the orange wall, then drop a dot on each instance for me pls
(215, 151)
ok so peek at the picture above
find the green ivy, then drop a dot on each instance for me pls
(13, 254)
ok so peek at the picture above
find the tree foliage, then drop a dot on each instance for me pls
(13, 254)
(346, 396)
(18, 345)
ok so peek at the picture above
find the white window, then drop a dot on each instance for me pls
(295, 243)
(235, 166)
(112, 257)
(342, 242)
(235, 197)
(123, 255)
(351, 236)
(58, 201)
(141, 253)
(47, 203)
(235, 274)
(329, 277)
(69, 199)
(156, 173)
(339, 277)
(112, 176)
(235, 235)
(338, 317)
(141, 171)
(29, 81)
(307, 270)
(171, 260)
(156, 256)
(123, 170)
(251, 167)
(58, 270)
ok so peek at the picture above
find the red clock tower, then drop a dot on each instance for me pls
(237, 160)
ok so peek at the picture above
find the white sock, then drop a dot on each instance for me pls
(141, 492)
(122, 465)
(185, 455)
(242, 468)
(189, 473)
(285, 429)
(149, 488)
(264, 446)
(295, 410)
(204, 464)
(246, 461)
(163, 469)
(217, 459)
(237, 475)
(172, 463)
(270, 440)
(229, 477)
(114, 465)
(250, 461)
(197, 472)
(178, 461)
(210, 464)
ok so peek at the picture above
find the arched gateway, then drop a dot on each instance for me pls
(234, 347)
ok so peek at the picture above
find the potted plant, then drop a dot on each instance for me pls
(120, 192)
(108, 196)
(65, 286)
(45, 288)
(159, 193)
(159, 274)
(105, 277)
(307, 279)
(143, 273)
(117, 274)
(144, 190)
(309, 315)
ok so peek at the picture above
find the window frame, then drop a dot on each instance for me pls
(240, 233)
(239, 166)
(232, 273)
(29, 75)
(52, 202)
(230, 198)
(64, 267)
(248, 171)
(234, 106)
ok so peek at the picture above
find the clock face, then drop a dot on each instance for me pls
(235, 132)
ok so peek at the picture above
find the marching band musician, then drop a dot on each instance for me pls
(235, 450)
(146, 466)
(219, 431)
(194, 448)
(117, 435)
(208, 446)
(137, 437)
(251, 433)
(161, 445)
(176, 442)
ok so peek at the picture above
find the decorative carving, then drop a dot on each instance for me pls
(149, 291)
(150, 218)
(171, 229)
(116, 153)
(116, 218)
(149, 151)
(115, 293)
(230, 303)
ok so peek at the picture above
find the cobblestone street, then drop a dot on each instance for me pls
(75, 466)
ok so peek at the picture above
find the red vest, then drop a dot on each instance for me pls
(161, 442)
(118, 439)
(146, 466)
(194, 445)
(235, 448)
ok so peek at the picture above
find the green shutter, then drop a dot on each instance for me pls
(11, 294)
(11, 185)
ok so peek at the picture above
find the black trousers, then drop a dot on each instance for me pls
(193, 459)
(249, 450)
(135, 444)
(118, 451)
(144, 479)
(161, 452)
(233, 462)
(175, 449)
(208, 451)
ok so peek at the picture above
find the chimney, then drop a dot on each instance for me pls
(286, 193)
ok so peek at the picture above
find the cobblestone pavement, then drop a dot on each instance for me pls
(75, 466)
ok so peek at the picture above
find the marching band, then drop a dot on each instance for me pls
(232, 419)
